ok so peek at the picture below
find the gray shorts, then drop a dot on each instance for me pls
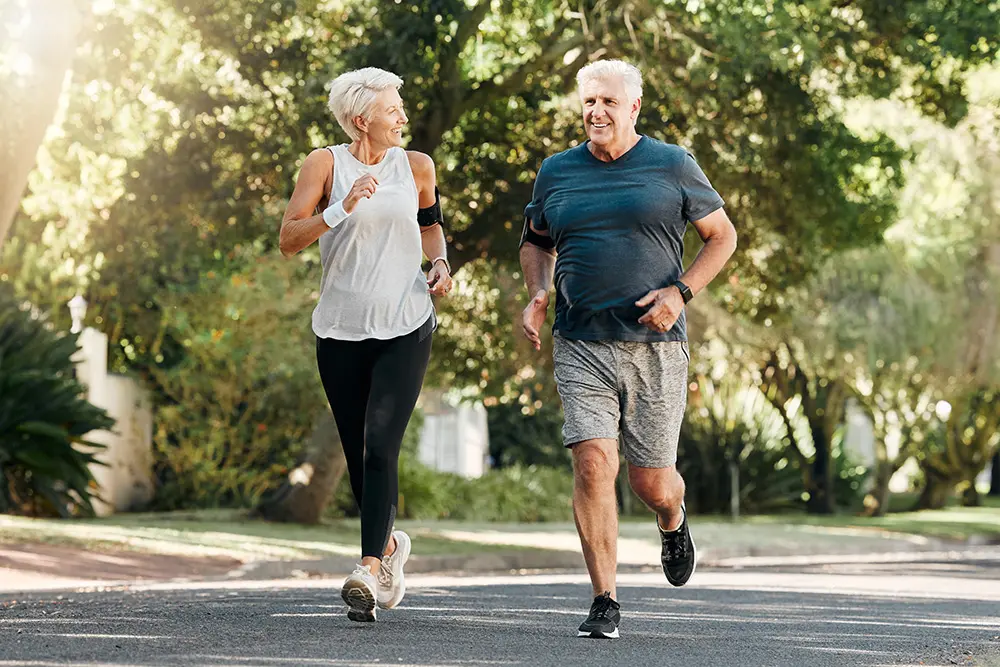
(637, 390)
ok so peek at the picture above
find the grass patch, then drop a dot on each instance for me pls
(953, 523)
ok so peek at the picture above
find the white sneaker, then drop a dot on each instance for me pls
(360, 592)
(391, 585)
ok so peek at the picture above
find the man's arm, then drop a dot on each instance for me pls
(719, 235)
(538, 264)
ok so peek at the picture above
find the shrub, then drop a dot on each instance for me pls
(516, 494)
(732, 421)
(44, 419)
(517, 439)
(235, 413)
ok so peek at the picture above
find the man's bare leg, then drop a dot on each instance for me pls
(662, 489)
(595, 509)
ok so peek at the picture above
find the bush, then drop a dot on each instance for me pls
(235, 413)
(849, 481)
(44, 418)
(517, 439)
(731, 421)
(515, 493)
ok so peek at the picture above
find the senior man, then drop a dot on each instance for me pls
(607, 221)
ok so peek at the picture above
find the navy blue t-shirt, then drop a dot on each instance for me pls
(618, 228)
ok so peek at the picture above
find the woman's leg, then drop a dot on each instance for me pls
(397, 376)
(345, 367)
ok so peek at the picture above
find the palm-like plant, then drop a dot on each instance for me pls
(44, 418)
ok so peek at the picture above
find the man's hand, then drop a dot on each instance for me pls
(667, 304)
(438, 279)
(534, 317)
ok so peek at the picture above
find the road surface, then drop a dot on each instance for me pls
(934, 610)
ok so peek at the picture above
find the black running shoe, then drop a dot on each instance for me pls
(678, 553)
(603, 620)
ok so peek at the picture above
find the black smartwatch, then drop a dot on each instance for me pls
(685, 291)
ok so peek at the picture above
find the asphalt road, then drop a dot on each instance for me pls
(938, 611)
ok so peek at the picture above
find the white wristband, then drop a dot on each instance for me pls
(335, 214)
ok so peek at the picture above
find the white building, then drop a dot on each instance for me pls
(454, 438)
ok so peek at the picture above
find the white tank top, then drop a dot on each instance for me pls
(373, 286)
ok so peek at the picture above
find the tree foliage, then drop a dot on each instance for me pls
(184, 123)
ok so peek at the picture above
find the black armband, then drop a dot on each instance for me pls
(529, 235)
(430, 216)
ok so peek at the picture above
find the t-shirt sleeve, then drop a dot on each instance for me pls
(700, 198)
(535, 210)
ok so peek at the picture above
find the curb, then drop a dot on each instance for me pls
(490, 562)
(525, 561)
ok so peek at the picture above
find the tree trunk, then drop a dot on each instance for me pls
(937, 490)
(995, 475)
(821, 495)
(30, 105)
(305, 495)
(734, 490)
(970, 496)
(877, 502)
(821, 499)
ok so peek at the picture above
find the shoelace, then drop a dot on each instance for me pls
(676, 544)
(601, 608)
(385, 572)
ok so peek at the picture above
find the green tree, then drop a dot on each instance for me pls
(915, 321)
(884, 321)
(189, 120)
(185, 123)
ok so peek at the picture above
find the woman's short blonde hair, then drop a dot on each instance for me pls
(605, 69)
(353, 93)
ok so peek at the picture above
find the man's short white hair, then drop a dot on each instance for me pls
(606, 69)
(353, 94)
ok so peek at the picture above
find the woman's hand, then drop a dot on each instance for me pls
(439, 279)
(363, 187)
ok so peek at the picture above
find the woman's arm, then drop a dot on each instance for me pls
(432, 239)
(301, 226)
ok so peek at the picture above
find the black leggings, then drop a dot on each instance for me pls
(372, 386)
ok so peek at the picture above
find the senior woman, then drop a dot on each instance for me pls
(375, 210)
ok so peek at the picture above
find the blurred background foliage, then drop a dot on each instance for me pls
(855, 143)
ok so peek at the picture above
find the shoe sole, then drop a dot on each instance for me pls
(360, 603)
(597, 634)
(401, 591)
